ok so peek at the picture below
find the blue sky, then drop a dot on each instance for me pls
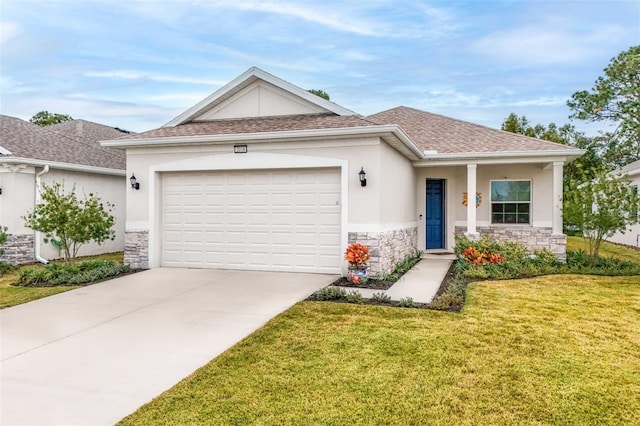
(137, 64)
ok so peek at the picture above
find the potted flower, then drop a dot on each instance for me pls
(357, 256)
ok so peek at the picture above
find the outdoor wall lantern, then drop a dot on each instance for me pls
(134, 182)
(363, 177)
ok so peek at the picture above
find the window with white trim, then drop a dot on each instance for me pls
(511, 202)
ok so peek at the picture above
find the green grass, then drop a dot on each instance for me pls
(11, 295)
(606, 249)
(561, 349)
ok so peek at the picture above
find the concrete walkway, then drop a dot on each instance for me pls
(94, 355)
(421, 283)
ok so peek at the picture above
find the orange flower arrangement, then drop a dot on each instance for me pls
(473, 256)
(357, 255)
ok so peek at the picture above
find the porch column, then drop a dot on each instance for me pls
(471, 199)
(557, 198)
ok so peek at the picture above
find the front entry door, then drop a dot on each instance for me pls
(435, 214)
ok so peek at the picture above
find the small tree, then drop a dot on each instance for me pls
(70, 220)
(46, 118)
(319, 92)
(601, 207)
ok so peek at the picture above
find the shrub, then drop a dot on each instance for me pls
(380, 297)
(406, 302)
(354, 297)
(330, 293)
(447, 301)
(5, 268)
(70, 273)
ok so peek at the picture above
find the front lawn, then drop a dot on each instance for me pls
(11, 295)
(606, 249)
(561, 349)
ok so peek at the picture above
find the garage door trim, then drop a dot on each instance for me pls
(248, 161)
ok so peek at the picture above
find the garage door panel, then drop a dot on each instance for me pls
(285, 220)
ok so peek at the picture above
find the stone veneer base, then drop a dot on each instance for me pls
(18, 249)
(136, 249)
(533, 238)
(387, 248)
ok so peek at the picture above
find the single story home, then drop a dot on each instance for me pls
(632, 236)
(67, 153)
(264, 175)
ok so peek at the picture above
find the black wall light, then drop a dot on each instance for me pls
(363, 177)
(134, 182)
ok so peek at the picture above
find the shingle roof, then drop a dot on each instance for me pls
(88, 131)
(430, 132)
(27, 140)
(256, 125)
(451, 136)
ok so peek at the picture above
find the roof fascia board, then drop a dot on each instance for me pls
(265, 76)
(500, 158)
(63, 166)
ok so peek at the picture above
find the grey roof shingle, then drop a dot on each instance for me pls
(451, 136)
(27, 140)
(430, 132)
(256, 125)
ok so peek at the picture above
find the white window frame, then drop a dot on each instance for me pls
(530, 202)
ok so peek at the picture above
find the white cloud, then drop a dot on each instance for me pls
(139, 75)
(11, 85)
(547, 44)
(9, 30)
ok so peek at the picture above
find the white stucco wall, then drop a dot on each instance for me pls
(18, 195)
(260, 99)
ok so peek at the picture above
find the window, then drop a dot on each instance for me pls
(511, 201)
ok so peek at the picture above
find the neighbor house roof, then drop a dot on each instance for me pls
(88, 131)
(26, 142)
(433, 132)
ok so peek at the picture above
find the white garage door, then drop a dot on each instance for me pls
(269, 220)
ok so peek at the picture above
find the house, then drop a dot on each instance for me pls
(632, 236)
(263, 175)
(67, 153)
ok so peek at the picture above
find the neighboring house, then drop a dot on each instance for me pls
(631, 237)
(70, 155)
(263, 175)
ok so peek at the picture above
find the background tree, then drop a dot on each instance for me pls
(73, 221)
(45, 118)
(580, 169)
(600, 207)
(320, 93)
(615, 98)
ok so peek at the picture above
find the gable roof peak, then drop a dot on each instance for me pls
(244, 80)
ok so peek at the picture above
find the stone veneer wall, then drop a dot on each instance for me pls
(18, 249)
(531, 237)
(388, 248)
(136, 249)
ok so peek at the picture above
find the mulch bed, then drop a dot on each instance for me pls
(372, 284)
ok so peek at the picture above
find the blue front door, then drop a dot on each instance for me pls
(435, 214)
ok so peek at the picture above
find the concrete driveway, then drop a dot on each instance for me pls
(93, 355)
